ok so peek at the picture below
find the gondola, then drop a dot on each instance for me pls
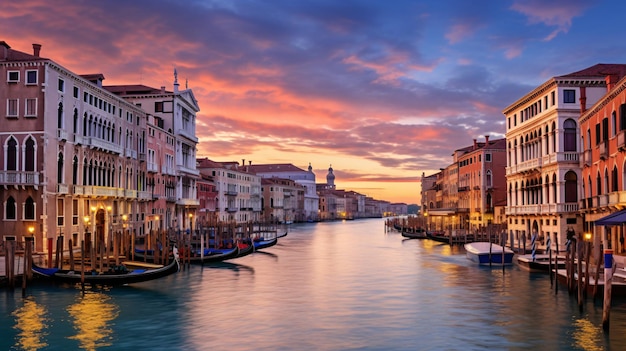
(120, 275)
(261, 243)
(210, 255)
(415, 235)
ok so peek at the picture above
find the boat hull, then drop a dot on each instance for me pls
(485, 254)
(540, 264)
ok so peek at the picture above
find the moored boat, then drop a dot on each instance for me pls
(540, 263)
(261, 243)
(119, 275)
(485, 253)
(415, 235)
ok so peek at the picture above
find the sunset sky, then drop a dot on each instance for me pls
(382, 90)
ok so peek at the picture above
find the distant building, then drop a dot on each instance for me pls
(310, 201)
(239, 196)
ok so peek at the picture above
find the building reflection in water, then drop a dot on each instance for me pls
(31, 322)
(92, 316)
(587, 336)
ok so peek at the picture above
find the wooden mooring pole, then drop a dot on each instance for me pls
(608, 278)
(28, 259)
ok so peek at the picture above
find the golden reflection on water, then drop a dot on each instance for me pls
(92, 320)
(31, 322)
(587, 336)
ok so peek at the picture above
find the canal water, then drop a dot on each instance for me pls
(326, 286)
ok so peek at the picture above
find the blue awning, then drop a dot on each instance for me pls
(615, 218)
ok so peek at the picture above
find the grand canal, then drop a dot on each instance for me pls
(326, 286)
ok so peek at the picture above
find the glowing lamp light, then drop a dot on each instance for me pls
(31, 230)
(588, 236)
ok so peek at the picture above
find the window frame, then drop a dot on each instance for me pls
(17, 108)
(569, 96)
(27, 79)
(26, 110)
(9, 73)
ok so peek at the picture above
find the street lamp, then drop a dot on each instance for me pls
(191, 223)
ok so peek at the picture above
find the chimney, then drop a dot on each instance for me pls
(4, 50)
(610, 79)
(162, 89)
(474, 145)
(36, 49)
(486, 140)
(583, 97)
(250, 163)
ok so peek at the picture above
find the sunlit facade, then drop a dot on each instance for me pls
(73, 154)
(603, 161)
(543, 146)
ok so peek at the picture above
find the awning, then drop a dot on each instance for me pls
(615, 218)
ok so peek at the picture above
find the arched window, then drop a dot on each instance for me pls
(606, 182)
(571, 193)
(75, 170)
(569, 142)
(60, 168)
(598, 184)
(614, 184)
(488, 179)
(85, 172)
(60, 116)
(75, 121)
(9, 209)
(85, 124)
(29, 209)
(554, 189)
(29, 156)
(11, 155)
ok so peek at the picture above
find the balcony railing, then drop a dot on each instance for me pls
(62, 189)
(586, 159)
(152, 167)
(62, 134)
(20, 178)
(96, 143)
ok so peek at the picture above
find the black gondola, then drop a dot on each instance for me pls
(118, 276)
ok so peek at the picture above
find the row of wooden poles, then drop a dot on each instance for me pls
(577, 262)
(98, 257)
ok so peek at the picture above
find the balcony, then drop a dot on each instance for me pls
(144, 195)
(188, 202)
(231, 209)
(78, 139)
(129, 153)
(62, 134)
(168, 170)
(187, 134)
(188, 170)
(102, 145)
(20, 178)
(529, 165)
(131, 194)
(142, 157)
(63, 189)
(170, 198)
(463, 188)
(152, 167)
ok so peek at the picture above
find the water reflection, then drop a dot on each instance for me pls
(587, 336)
(92, 316)
(30, 322)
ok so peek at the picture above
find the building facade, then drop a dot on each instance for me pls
(543, 147)
(73, 160)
